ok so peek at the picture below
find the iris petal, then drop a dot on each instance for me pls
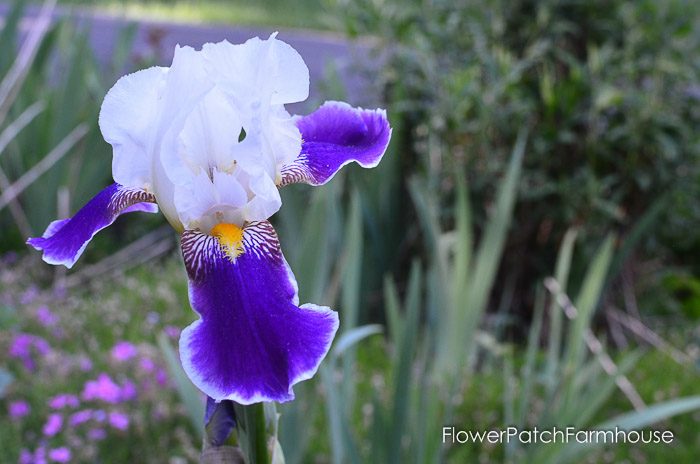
(65, 240)
(252, 342)
(126, 120)
(333, 136)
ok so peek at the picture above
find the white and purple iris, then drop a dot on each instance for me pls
(208, 140)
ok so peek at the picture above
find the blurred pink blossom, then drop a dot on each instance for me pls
(61, 454)
(26, 457)
(147, 365)
(96, 434)
(18, 409)
(46, 317)
(63, 401)
(123, 351)
(38, 457)
(105, 389)
(162, 377)
(129, 391)
(85, 364)
(53, 425)
(172, 331)
(22, 346)
(80, 417)
(29, 295)
(119, 420)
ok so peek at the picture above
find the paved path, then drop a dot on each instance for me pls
(322, 52)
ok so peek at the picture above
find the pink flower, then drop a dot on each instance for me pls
(123, 351)
(18, 409)
(63, 401)
(97, 434)
(129, 391)
(80, 417)
(119, 420)
(104, 389)
(147, 365)
(99, 415)
(53, 425)
(85, 364)
(26, 457)
(46, 317)
(61, 454)
(172, 331)
(22, 346)
(39, 456)
(29, 295)
(161, 377)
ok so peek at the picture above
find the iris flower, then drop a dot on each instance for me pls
(209, 142)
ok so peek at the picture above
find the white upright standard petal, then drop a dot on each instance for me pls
(186, 85)
(127, 121)
(210, 134)
(283, 137)
(268, 70)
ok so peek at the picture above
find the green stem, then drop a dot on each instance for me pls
(254, 434)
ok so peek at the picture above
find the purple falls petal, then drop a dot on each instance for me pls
(65, 240)
(333, 136)
(252, 342)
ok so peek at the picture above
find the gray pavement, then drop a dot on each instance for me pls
(324, 53)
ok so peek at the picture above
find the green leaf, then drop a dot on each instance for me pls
(588, 299)
(190, 396)
(354, 336)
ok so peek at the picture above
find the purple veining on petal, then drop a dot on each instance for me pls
(65, 240)
(333, 136)
(253, 342)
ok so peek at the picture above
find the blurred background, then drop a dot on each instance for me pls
(525, 255)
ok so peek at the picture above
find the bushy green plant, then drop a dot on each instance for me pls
(609, 91)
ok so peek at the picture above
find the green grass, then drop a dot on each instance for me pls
(271, 13)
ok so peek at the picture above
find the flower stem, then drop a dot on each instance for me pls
(252, 424)
(236, 433)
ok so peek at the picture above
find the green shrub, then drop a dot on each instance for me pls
(609, 91)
